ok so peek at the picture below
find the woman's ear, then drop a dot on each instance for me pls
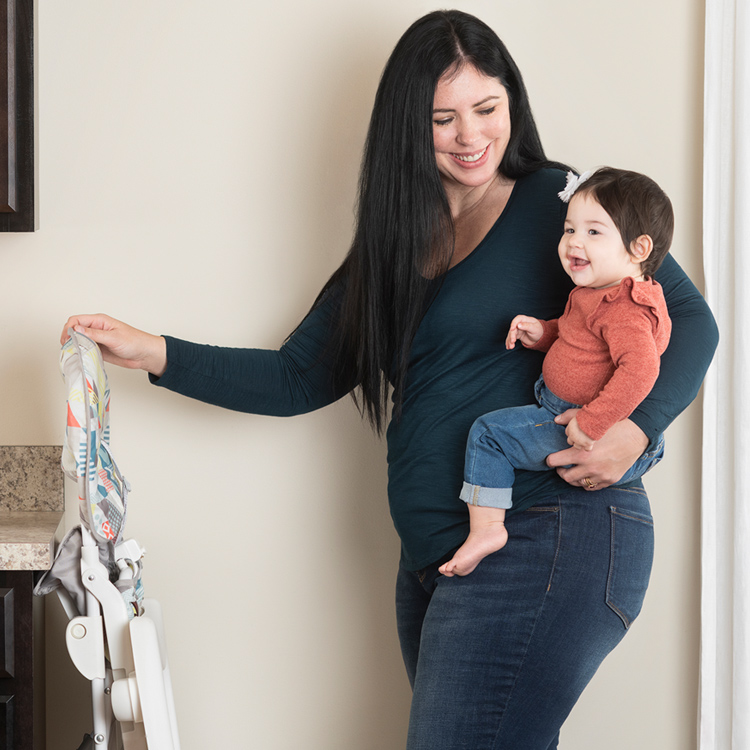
(641, 247)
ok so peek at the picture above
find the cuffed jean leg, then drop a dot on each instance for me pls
(498, 658)
(520, 437)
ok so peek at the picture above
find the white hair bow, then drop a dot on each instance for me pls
(573, 183)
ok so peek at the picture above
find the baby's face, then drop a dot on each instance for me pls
(591, 249)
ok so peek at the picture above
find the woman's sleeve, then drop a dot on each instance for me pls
(295, 379)
(684, 363)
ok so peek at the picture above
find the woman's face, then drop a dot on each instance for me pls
(470, 126)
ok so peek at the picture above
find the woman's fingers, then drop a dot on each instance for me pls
(84, 323)
(609, 459)
(122, 344)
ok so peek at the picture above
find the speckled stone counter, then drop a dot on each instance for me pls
(31, 505)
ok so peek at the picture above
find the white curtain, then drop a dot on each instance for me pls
(724, 714)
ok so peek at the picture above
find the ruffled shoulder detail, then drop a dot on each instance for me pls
(641, 292)
(644, 294)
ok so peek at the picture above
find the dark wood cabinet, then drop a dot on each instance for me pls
(19, 663)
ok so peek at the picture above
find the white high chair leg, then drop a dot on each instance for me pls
(100, 710)
(108, 602)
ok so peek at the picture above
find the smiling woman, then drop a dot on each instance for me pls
(458, 222)
(471, 130)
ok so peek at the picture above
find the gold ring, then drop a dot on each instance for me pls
(589, 484)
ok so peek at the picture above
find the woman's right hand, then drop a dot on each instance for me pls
(120, 343)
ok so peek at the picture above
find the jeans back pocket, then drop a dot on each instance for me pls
(631, 557)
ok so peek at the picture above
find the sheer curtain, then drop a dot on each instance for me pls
(724, 714)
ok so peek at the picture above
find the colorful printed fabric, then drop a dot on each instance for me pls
(102, 490)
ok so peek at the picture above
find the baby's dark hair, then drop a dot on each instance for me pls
(636, 205)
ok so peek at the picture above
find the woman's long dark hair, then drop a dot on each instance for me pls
(404, 231)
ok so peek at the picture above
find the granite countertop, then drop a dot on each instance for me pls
(26, 538)
(31, 505)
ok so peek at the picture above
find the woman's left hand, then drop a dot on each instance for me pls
(611, 457)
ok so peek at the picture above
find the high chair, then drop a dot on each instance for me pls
(115, 637)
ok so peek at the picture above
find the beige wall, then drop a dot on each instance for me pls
(197, 165)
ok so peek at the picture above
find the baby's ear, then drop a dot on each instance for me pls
(641, 247)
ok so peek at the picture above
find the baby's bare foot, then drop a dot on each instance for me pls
(480, 543)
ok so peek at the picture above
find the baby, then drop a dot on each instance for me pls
(603, 354)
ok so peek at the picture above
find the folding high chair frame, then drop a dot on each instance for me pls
(115, 637)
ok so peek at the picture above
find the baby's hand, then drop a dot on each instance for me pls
(577, 437)
(525, 329)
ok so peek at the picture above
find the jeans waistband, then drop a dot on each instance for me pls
(548, 400)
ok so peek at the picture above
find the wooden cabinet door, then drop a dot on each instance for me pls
(16, 661)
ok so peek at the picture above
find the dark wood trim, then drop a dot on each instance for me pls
(7, 105)
(7, 634)
(17, 209)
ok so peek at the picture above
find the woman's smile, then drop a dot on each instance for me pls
(471, 159)
(470, 128)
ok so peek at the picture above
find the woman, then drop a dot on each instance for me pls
(457, 229)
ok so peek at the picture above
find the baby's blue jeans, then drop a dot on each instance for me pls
(522, 437)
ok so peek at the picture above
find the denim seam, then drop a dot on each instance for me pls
(474, 457)
(543, 509)
(618, 512)
(632, 490)
(625, 620)
(557, 548)
(536, 621)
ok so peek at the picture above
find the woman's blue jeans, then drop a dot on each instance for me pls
(498, 658)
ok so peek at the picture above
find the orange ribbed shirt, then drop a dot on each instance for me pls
(604, 352)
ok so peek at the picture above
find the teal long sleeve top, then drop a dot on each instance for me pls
(459, 368)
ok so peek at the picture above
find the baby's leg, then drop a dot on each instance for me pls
(499, 442)
(487, 534)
